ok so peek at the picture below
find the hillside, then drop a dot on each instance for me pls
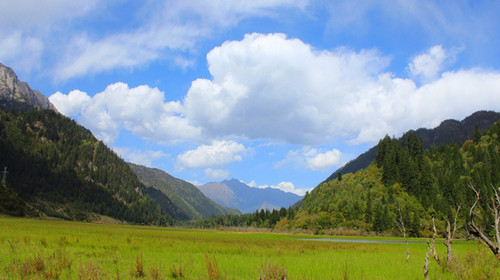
(187, 202)
(53, 167)
(447, 132)
(423, 184)
(233, 193)
(59, 169)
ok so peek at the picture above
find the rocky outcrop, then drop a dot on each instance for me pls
(18, 96)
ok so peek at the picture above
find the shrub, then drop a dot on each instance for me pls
(138, 269)
(212, 268)
(478, 264)
(270, 271)
(155, 273)
(89, 271)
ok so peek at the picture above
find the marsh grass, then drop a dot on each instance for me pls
(138, 269)
(478, 264)
(89, 271)
(155, 273)
(37, 249)
(272, 271)
(212, 268)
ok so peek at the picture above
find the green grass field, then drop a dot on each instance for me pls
(41, 249)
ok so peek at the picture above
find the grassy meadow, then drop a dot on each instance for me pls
(43, 249)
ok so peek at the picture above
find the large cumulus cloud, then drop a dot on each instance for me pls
(270, 87)
(275, 88)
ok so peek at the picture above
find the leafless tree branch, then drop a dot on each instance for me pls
(433, 245)
(476, 231)
(401, 225)
(450, 234)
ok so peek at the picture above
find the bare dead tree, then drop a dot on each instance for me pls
(477, 232)
(433, 245)
(402, 228)
(432, 251)
(450, 234)
(427, 262)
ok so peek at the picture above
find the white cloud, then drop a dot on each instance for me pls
(29, 27)
(218, 154)
(172, 27)
(311, 159)
(141, 157)
(62, 30)
(141, 110)
(323, 161)
(428, 20)
(71, 104)
(271, 88)
(284, 186)
(216, 174)
(428, 66)
(39, 15)
(20, 52)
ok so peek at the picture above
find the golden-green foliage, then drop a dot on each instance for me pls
(422, 184)
(38, 249)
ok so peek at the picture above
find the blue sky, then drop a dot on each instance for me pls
(274, 93)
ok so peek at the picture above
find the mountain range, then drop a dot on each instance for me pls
(447, 132)
(57, 168)
(235, 194)
(185, 200)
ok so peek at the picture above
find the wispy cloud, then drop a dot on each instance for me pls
(28, 29)
(173, 27)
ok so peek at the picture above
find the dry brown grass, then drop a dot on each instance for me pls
(89, 271)
(212, 268)
(271, 271)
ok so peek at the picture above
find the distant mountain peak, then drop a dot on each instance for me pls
(234, 193)
(18, 96)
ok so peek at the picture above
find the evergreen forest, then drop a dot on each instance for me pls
(57, 168)
(403, 183)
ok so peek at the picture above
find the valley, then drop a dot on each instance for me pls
(142, 222)
(36, 249)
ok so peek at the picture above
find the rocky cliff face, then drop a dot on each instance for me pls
(18, 96)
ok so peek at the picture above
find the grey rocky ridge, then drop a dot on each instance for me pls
(18, 96)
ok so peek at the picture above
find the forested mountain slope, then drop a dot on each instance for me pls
(448, 131)
(423, 184)
(57, 168)
(188, 202)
